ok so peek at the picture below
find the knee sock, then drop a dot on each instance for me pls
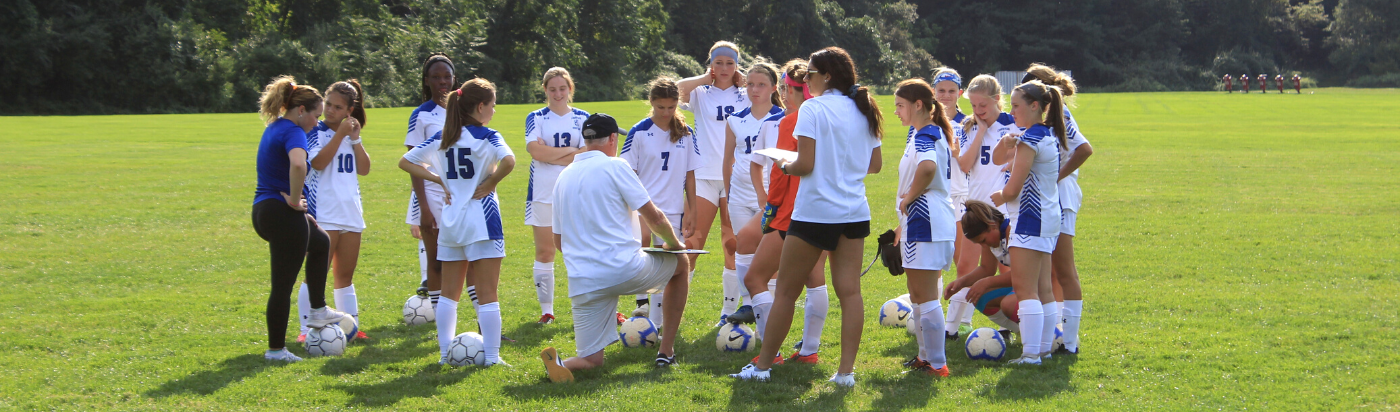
(303, 307)
(544, 286)
(423, 261)
(446, 324)
(643, 299)
(762, 302)
(813, 319)
(742, 263)
(1073, 310)
(471, 292)
(930, 314)
(772, 286)
(1032, 326)
(915, 316)
(730, 282)
(956, 306)
(655, 312)
(433, 296)
(346, 301)
(1052, 318)
(489, 317)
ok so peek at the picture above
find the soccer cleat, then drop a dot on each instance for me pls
(643, 310)
(723, 319)
(422, 289)
(950, 336)
(1065, 350)
(752, 373)
(927, 368)
(1025, 360)
(554, 367)
(912, 361)
(777, 359)
(621, 319)
(301, 338)
(742, 315)
(797, 346)
(809, 359)
(1044, 356)
(1005, 335)
(325, 316)
(546, 319)
(663, 360)
(361, 335)
(844, 379)
(965, 329)
(282, 355)
(941, 372)
(501, 362)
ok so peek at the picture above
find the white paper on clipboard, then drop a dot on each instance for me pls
(777, 154)
(678, 252)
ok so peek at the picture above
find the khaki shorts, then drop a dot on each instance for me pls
(595, 313)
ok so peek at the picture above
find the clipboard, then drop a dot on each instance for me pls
(675, 252)
(777, 154)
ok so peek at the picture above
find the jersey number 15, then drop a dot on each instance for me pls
(459, 163)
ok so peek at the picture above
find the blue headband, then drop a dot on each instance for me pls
(725, 51)
(948, 76)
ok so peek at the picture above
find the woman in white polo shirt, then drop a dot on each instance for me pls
(838, 143)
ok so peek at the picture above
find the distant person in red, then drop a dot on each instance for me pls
(1229, 88)
(1298, 83)
(1263, 83)
(1278, 79)
(1244, 82)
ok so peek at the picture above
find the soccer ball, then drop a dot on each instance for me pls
(905, 298)
(418, 310)
(350, 326)
(895, 312)
(467, 349)
(911, 326)
(327, 341)
(985, 344)
(734, 338)
(638, 332)
(1059, 337)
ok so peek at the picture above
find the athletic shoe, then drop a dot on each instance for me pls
(809, 359)
(1044, 356)
(965, 329)
(723, 319)
(1005, 335)
(1025, 360)
(643, 310)
(941, 372)
(621, 319)
(554, 367)
(663, 360)
(950, 336)
(282, 355)
(501, 362)
(912, 361)
(777, 359)
(797, 346)
(925, 367)
(301, 338)
(546, 319)
(752, 373)
(844, 379)
(743, 315)
(422, 289)
(361, 335)
(325, 316)
(1065, 350)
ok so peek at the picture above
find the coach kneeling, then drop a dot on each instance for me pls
(593, 201)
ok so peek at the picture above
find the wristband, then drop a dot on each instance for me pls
(355, 142)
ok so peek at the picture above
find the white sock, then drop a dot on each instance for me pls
(1073, 310)
(1052, 318)
(813, 319)
(471, 292)
(956, 306)
(655, 313)
(930, 317)
(303, 307)
(433, 296)
(489, 317)
(742, 263)
(544, 286)
(1032, 326)
(762, 302)
(914, 316)
(772, 286)
(730, 281)
(346, 301)
(423, 260)
(446, 324)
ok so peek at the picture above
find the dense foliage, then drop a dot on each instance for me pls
(114, 56)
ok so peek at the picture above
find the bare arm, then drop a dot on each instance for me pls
(876, 161)
(806, 151)
(328, 149)
(1025, 157)
(728, 168)
(969, 155)
(923, 175)
(688, 84)
(688, 217)
(362, 162)
(1006, 147)
(756, 175)
(1076, 159)
(488, 185)
(540, 151)
(987, 268)
(420, 174)
(296, 177)
(657, 222)
(558, 242)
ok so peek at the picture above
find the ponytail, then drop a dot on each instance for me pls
(979, 218)
(355, 94)
(282, 95)
(1049, 76)
(835, 62)
(461, 105)
(1052, 106)
(917, 90)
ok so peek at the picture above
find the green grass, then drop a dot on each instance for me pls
(1237, 251)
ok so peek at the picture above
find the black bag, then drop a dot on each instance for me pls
(889, 253)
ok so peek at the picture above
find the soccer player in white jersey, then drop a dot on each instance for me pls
(981, 133)
(745, 175)
(925, 211)
(425, 122)
(469, 160)
(990, 293)
(664, 154)
(947, 88)
(839, 131)
(713, 97)
(552, 139)
(1032, 197)
(1077, 151)
(333, 193)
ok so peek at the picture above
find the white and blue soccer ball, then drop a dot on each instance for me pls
(911, 326)
(734, 338)
(638, 332)
(1059, 337)
(327, 341)
(466, 349)
(418, 310)
(895, 313)
(350, 326)
(985, 344)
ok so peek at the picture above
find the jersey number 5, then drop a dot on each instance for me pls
(986, 155)
(459, 163)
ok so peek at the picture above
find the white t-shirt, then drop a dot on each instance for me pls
(462, 167)
(1036, 210)
(425, 123)
(930, 217)
(556, 131)
(1070, 195)
(987, 177)
(333, 193)
(593, 201)
(711, 106)
(661, 165)
(748, 137)
(957, 186)
(834, 192)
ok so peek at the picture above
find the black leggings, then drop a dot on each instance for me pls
(291, 236)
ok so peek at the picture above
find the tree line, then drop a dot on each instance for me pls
(176, 56)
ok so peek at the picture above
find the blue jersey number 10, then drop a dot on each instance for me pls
(345, 163)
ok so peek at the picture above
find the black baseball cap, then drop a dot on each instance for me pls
(600, 125)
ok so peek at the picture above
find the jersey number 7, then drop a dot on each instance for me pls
(665, 161)
(459, 163)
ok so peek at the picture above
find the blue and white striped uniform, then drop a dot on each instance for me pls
(426, 121)
(1035, 212)
(661, 165)
(957, 185)
(468, 228)
(555, 130)
(987, 177)
(1070, 195)
(927, 225)
(333, 193)
(748, 137)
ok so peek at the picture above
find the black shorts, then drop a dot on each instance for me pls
(826, 235)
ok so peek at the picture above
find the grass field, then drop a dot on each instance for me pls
(1237, 251)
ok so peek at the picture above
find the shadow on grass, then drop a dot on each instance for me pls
(424, 383)
(206, 382)
(1033, 382)
(409, 342)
